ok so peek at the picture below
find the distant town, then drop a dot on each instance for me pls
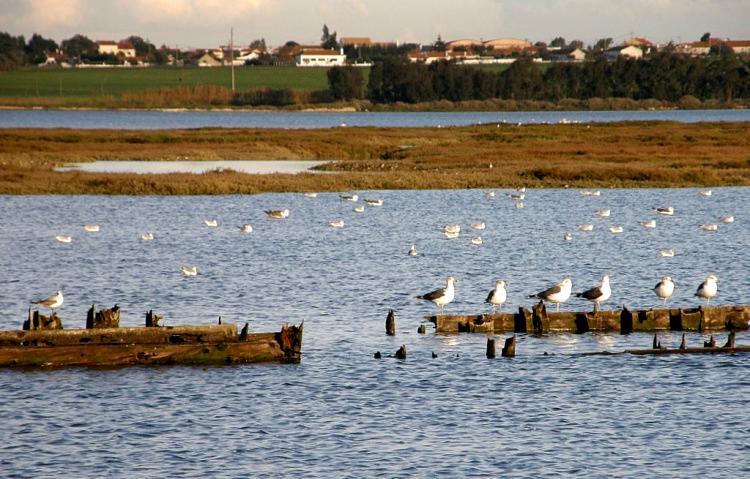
(82, 52)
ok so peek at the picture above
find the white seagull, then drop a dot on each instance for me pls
(667, 210)
(517, 196)
(709, 227)
(585, 227)
(91, 228)
(727, 219)
(520, 205)
(648, 224)
(441, 296)
(311, 195)
(706, 193)
(374, 202)
(567, 236)
(278, 214)
(497, 296)
(598, 294)
(708, 288)
(337, 224)
(478, 226)
(54, 301)
(556, 294)
(246, 229)
(602, 213)
(352, 198)
(490, 194)
(667, 253)
(412, 250)
(189, 270)
(359, 209)
(477, 240)
(63, 238)
(146, 236)
(664, 288)
(211, 223)
(452, 228)
(450, 235)
(615, 229)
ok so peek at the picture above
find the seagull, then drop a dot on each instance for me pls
(412, 250)
(54, 301)
(602, 213)
(352, 198)
(359, 209)
(669, 211)
(585, 227)
(450, 235)
(478, 226)
(189, 270)
(664, 288)
(371, 202)
(667, 253)
(452, 228)
(706, 193)
(598, 294)
(709, 227)
(520, 205)
(708, 288)
(311, 195)
(615, 229)
(567, 236)
(477, 240)
(556, 294)
(147, 236)
(727, 219)
(648, 224)
(517, 196)
(63, 238)
(246, 229)
(441, 296)
(278, 214)
(596, 193)
(211, 223)
(490, 194)
(337, 224)
(497, 296)
(91, 228)
(521, 189)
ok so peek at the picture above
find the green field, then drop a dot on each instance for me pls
(79, 84)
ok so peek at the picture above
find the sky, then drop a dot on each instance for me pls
(206, 23)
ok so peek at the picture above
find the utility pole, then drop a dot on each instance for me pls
(231, 53)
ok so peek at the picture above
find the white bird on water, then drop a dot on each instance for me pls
(556, 294)
(598, 294)
(478, 226)
(667, 253)
(211, 223)
(450, 235)
(412, 250)
(246, 229)
(189, 270)
(63, 238)
(497, 296)
(146, 236)
(615, 229)
(666, 210)
(567, 237)
(585, 227)
(664, 288)
(359, 209)
(337, 224)
(352, 198)
(709, 227)
(477, 240)
(452, 228)
(374, 202)
(441, 296)
(708, 288)
(91, 228)
(278, 214)
(648, 224)
(54, 301)
(602, 213)
(706, 193)
(311, 195)
(727, 219)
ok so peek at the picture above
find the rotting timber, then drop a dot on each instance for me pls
(216, 344)
(538, 320)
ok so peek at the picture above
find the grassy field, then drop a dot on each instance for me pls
(633, 154)
(81, 84)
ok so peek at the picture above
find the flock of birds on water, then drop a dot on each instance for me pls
(556, 294)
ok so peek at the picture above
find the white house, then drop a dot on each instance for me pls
(627, 51)
(110, 47)
(207, 60)
(320, 57)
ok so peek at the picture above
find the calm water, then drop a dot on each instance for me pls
(341, 412)
(124, 120)
(256, 167)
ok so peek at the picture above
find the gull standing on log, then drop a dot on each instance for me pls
(54, 301)
(441, 296)
(598, 294)
(664, 288)
(708, 288)
(498, 295)
(556, 294)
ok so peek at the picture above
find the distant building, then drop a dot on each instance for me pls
(125, 48)
(463, 44)
(428, 57)
(355, 42)
(643, 43)
(110, 47)
(627, 51)
(568, 55)
(508, 46)
(741, 47)
(208, 60)
(320, 57)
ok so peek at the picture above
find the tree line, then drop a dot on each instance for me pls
(663, 76)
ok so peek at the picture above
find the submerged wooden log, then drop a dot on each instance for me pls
(509, 350)
(664, 351)
(490, 348)
(390, 323)
(401, 353)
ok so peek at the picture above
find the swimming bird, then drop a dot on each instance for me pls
(596, 193)
(727, 219)
(517, 196)
(374, 202)
(708, 288)
(450, 235)
(311, 195)
(477, 240)
(585, 227)
(490, 194)
(706, 193)
(667, 210)
(189, 270)
(278, 214)
(598, 294)
(246, 229)
(709, 227)
(337, 224)
(359, 209)
(412, 250)
(497, 296)
(664, 288)
(602, 213)
(667, 253)
(452, 228)
(556, 294)
(91, 228)
(567, 236)
(146, 236)
(615, 229)
(648, 224)
(478, 226)
(520, 205)
(352, 198)
(441, 296)
(211, 223)
(54, 301)
(64, 238)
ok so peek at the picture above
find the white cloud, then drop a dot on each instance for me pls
(47, 14)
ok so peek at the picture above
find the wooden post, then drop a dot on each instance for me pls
(683, 344)
(243, 333)
(377, 355)
(90, 317)
(152, 320)
(509, 350)
(490, 348)
(711, 343)
(422, 329)
(730, 340)
(401, 353)
(390, 323)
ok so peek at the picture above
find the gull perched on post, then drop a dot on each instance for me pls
(54, 301)
(664, 288)
(556, 294)
(441, 296)
(708, 288)
(598, 294)
(498, 295)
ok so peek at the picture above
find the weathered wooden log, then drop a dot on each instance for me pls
(683, 343)
(37, 321)
(377, 355)
(540, 322)
(664, 351)
(509, 349)
(390, 323)
(421, 329)
(490, 348)
(401, 353)
(106, 318)
(152, 320)
(243, 333)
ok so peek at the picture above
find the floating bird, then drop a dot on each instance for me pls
(708, 288)
(567, 236)
(517, 196)
(615, 229)
(278, 214)
(337, 224)
(63, 238)
(478, 226)
(602, 213)
(520, 205)
(497, 296)
(246, 229)
(648, 224)
(490, 194)
(91, 228)
(311, 195)
(452, 228)
(667, 253)
(598, 294)
(189, 270)
(54, 301)
(727, 219)
(709, 227)
(596, 193)
(664, 288)
(352, 198)
(556, 294)
(521, 189)
(668, 211)
(590, 193)
(441, 296)
(585, 227)
(412, 250)
(359, 209)
(211, 223)
(147, 236)
(371, 202)
(706, 193)
(450, 235)
(477, 240)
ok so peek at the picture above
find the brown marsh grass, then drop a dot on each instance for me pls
(633, 154)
